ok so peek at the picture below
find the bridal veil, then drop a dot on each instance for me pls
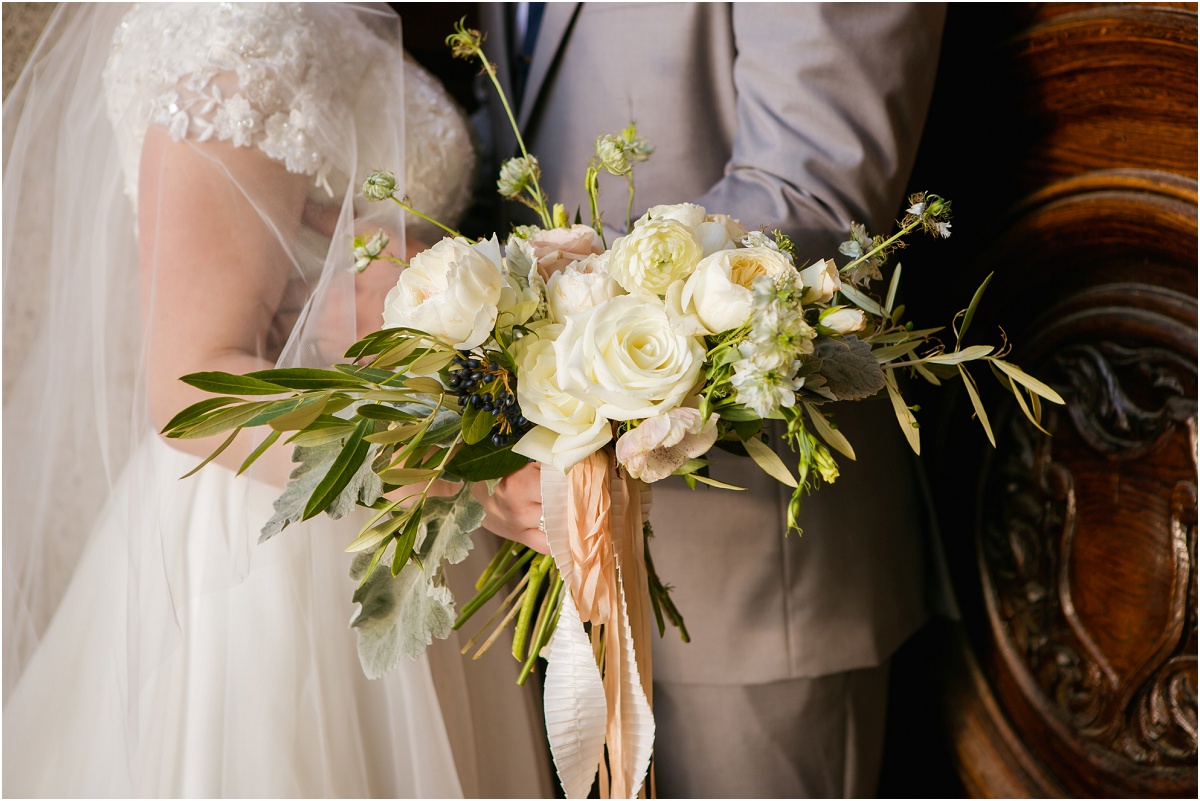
(151, 646)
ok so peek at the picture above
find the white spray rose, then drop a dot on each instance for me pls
(653, 255)
(821, 280)
(689, 214)
(718, 295)
(567, 429)
(843, 320)
(581, 286)
(624, 358)
(662, 444)
(449, 291)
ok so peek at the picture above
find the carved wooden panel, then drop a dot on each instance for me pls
(1066, 136)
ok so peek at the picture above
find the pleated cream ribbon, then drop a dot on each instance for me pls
(594, 526)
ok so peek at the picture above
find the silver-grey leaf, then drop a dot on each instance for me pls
(848, 367)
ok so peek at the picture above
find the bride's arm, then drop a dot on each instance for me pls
(213, 222)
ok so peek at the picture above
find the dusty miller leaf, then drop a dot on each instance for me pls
(848, 367)
(364, 487)
(400, 616)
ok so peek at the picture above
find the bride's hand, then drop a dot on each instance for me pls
(514, 510)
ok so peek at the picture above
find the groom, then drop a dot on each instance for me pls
(803, 117)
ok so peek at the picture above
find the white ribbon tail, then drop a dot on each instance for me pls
(576, 710)
(637, 733)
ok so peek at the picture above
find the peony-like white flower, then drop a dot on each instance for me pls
(567, 429)
(662, 444)
(581, 286)
(624, 358)
(653, 255)
(449, 291)
(557, 247)
(821, 280)
(719, 293)
(844, 320)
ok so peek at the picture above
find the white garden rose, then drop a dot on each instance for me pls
(624, 358)
(821, 281)
(449, 291)
(719, 232)
(581, 286)
(718, 295)
(662, 444)
(653, 255)
(567, 429)
(689, 214)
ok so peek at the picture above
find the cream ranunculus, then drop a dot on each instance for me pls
(581, 286)
(567, 429)
(718, 294)
(557, 247)
(662, 444)
(821, 281)
(624, 358)
(653, 255)
(449, 291)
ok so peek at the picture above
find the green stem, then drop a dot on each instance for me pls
(512, 121)
(537, 574)
(629, 204)
(487, 592)
(887, 243)
(423, 216)
(546, 623)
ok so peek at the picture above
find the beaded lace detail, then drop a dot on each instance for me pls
(282, 77)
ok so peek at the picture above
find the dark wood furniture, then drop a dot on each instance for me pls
(1066, 136)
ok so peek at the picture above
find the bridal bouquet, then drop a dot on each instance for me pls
(614, 366)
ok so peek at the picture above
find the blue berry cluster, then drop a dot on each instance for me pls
(488, 387)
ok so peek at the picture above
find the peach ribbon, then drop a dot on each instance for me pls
(594, 526)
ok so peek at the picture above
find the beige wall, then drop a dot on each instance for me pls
(23, 23)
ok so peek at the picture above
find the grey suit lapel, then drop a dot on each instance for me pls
(555, 24)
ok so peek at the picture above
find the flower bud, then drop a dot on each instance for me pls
(611, 152)
(379, 185)
(516, 174)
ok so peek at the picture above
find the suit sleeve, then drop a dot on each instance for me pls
(831, 102)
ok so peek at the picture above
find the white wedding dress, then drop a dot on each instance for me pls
(152, 648)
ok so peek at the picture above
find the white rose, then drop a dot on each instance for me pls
(581, 286)
(844, 321)
(624, 358)
(719, 232)
(653, 255)
(821, 280)
(689, 214)
(662, 444)
(449, 291)
(567, 429)
(719, 294)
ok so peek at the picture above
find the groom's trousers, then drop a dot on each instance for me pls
(799, 738)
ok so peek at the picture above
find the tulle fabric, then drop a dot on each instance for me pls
(151, 647)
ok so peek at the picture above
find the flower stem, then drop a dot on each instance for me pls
(887, 243)
(424, 217)
(512, 121)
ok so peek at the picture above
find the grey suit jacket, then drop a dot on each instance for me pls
(799, 116)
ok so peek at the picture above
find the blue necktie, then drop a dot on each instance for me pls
(524, 56)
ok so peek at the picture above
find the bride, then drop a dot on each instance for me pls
(180, 196)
